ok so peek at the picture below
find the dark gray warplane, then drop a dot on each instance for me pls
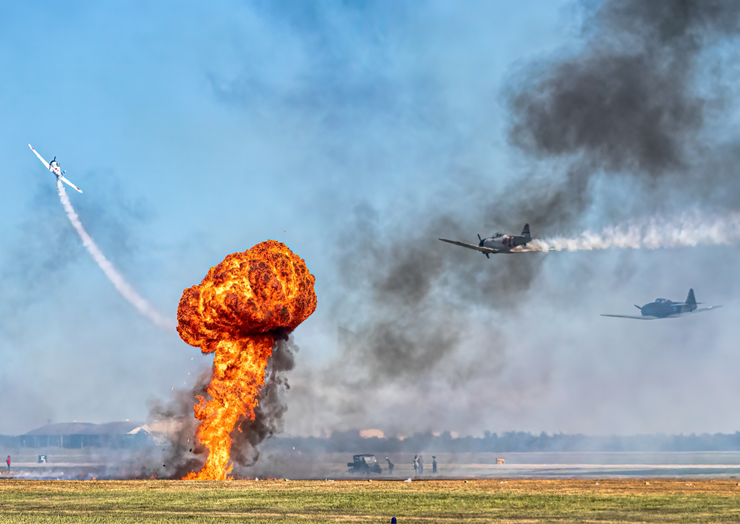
(664, 308)
(498, 243)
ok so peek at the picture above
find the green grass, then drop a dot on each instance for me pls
(378, 501)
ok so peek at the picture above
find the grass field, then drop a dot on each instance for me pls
(526, 500)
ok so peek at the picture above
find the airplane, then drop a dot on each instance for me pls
(664, 308)
(498, 243)
(54, 168)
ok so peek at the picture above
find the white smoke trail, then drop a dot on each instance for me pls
(687, 230)
(123, 287)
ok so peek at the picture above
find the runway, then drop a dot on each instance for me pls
(297, 465)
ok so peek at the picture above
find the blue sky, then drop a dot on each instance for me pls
(196, 130)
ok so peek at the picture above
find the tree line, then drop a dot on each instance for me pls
(515, 441)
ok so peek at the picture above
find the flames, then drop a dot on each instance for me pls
(236, 312)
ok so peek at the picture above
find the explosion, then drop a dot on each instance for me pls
(237, 311)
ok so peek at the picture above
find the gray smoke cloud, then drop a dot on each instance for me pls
(405, 321)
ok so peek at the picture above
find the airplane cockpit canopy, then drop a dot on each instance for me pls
(662, 300)
(498, 235)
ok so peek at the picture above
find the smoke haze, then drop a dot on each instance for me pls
(358, 134)
(123, 287)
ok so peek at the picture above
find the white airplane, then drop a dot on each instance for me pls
(54, 168)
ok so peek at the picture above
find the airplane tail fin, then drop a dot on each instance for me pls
(525, 232)
(691, 299)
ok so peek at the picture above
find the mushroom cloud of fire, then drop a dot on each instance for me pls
(236, 312)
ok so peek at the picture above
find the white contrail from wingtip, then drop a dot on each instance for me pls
(123, 287)
(687, 230)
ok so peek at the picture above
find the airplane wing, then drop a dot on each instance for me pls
(486, 250)
(702, 309)
(40, 158)
(633, 317)
(647, 317)
(69, 183)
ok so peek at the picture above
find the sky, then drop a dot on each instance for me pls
(358, 133)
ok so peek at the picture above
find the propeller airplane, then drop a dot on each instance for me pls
(664, 308)
(54, 168)
(498, 243)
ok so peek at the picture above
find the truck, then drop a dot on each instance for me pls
(365, 463)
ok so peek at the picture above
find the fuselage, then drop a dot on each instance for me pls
(54, 168)
(662, 308)
(504, 243)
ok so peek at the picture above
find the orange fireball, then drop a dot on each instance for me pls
(236, 312)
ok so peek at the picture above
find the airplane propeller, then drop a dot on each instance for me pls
(481, 244)
(638, 307)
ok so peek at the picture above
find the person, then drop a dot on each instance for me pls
(421, 465)
(390, 466)
(7, 460)
(416, 464)
(434, 464)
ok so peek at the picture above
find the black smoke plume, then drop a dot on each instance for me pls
(634, 103)
(268, 415)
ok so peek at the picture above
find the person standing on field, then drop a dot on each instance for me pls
(7, 461)
(416, 464)
(390, 466)
(421, 465)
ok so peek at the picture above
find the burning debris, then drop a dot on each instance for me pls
(239, 310)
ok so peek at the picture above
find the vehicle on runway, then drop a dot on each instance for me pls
(365, 463)
(498, 243)
(55, 168)
(664, 308)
